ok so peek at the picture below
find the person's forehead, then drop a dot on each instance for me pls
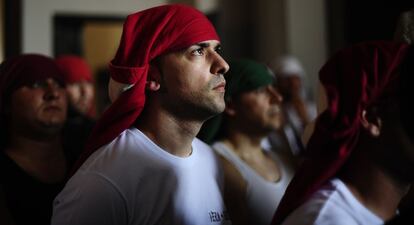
(207, 43)
(213, 44)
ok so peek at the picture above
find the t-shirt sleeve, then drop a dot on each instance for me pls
(89, 199)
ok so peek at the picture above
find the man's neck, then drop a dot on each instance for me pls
(374, 188)
(43, 159)
(249, 149)
(170, 133)
(40, 148)
(243, 144)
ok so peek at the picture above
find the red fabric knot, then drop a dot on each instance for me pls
(127, 75)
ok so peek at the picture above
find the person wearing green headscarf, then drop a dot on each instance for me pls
(255, 179)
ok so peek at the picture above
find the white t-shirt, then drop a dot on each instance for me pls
(262, 196)
(133, 181)
(333, 204)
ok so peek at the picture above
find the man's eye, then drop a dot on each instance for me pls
(38, 84)
(46, 84)
(261, 90)
(219, 50)
(198, 51)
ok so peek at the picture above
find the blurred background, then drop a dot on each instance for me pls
(311, 30)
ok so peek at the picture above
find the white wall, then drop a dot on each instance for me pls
(307, 35)
(37, 25)
(206, 6)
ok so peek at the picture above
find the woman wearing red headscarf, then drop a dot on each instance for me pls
(143, 164)
(360, 157)
(79, 84)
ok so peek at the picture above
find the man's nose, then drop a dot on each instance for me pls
(275, 95)
(52, 90)
(220, 66)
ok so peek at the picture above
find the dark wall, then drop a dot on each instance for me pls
(352, 21)
(12, 27)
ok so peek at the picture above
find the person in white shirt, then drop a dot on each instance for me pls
(299, 110)
(143, 164)
(360, 157)
(255, 178)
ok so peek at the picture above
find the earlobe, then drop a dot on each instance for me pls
(152, 85)
(153, 82)
(371, 123)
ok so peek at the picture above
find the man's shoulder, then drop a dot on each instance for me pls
(204, 149)
(125, 140)
(333, 203)
(118, 154)
(320, 209)
(201, 145)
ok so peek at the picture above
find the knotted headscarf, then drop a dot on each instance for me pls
(354, 79)
(146, 35)
(244, 75)
(20, 71)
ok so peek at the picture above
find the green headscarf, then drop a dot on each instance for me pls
(244, 76)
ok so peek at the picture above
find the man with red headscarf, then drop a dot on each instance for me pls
(143, 164)
(34, 160)
(360, 157)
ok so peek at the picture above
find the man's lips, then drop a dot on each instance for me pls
(220, 87)
(53, 107)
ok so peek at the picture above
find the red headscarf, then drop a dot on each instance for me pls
(354, 79)
(74, 68)
(146, 35)
(24, 70)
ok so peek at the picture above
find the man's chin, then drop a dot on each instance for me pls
(219, 110)
(275, 125)
(217, 107)
(214, 111)
(52, 124)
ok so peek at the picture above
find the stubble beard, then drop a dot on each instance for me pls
(197, 105)
(213, 102)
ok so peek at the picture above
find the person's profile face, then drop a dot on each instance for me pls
(193, 78)
(260, 108)
(289, 86)
(41, 104)
(81, 96)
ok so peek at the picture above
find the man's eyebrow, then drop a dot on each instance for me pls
(203, 44)
(206, 45)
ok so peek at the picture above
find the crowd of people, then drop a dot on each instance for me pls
(193, 138)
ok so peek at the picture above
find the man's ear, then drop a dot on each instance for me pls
(154, 79)
(371, 122)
